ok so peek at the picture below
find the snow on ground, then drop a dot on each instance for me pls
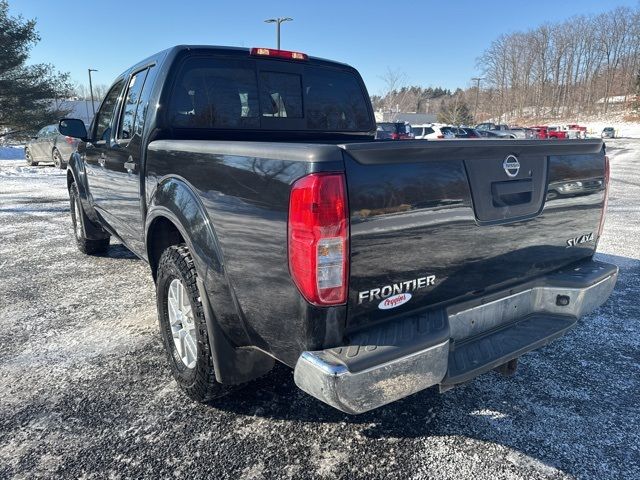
(11, 152)
(623, 129)
(85, 390)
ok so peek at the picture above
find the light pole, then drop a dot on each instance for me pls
(93, 105)
(278, 21)
(475, 110)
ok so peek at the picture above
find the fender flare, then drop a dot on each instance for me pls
(175, 200)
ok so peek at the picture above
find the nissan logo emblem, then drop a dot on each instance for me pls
(511, 166)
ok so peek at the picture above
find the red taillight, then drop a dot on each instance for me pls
(270, 52)
(395, 136)
(607, 176)
(440, 136)
(69, 140)
(319, 238)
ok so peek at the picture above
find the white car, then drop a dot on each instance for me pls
(429, 131)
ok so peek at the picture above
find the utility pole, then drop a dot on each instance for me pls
(475, 110)
(278, 21)
(93, 104)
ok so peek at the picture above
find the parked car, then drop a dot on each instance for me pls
(608, 132)
(279, 230)
(459, 132)
(429, 132)
(544, 132)
(48, 145)
(540, 132)
(520, 132)
(554, 131)
(575, 131)
(393, 131)
(494, 134)
(504, 129)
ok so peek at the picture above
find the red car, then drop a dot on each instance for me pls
(582, 131)
(543, 132)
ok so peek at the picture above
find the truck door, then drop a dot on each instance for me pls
(122, 202)
(99, 149)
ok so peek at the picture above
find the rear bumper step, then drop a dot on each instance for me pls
(479, 355)
(446, 347)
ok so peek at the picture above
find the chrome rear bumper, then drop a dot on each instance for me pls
(479, 336)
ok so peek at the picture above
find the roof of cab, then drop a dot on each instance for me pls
(241, 50)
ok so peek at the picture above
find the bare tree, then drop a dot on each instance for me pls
(559, 69)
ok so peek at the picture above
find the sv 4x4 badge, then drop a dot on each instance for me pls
(572, 242)
(397, 294)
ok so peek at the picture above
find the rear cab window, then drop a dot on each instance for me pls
(212, 92)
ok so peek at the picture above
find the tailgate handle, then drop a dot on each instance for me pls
(514, 192)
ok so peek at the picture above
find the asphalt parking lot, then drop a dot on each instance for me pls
(85, 390)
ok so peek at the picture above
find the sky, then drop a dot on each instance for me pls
(432, 43)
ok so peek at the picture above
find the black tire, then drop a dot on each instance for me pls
(198, 382)
(28, 158)
(57, 159)
(85, 245)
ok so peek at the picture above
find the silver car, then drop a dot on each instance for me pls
(608, 132)
(49, 146)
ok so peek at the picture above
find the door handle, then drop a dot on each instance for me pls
(102, 160)
(130, 166)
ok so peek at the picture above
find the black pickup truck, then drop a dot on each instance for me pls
(277, 228)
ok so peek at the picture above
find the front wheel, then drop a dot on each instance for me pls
(29, 158)
(183, 326)
(80, 220)
(57, 159)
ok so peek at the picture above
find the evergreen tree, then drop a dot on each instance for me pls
(27, 92)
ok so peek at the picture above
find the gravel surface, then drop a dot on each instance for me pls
(85, 390)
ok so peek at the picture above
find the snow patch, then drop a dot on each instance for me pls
(13, 152)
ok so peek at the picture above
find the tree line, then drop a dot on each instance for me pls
(564, 68)
(585, 65)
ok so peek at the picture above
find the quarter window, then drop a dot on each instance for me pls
(131, 102)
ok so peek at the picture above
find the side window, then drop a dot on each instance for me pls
(280, 95)
(126, 127)
(104, 117)
(42, 132)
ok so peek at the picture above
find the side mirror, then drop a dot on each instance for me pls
(73, 127)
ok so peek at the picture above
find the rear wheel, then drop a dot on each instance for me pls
(80, 220)
(183, 326)
(57, 159)
(29, 158)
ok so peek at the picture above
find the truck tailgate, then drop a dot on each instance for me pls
(440, 222)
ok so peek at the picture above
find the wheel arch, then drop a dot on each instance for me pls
(177, 215)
